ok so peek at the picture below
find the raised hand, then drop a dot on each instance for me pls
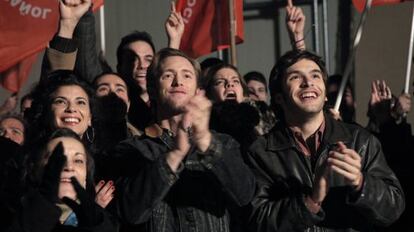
(347, 163)
(9, 104)
(380, 101)
(379, 92)
(87, 212)
(70, 13)
(49, 186)
(174, 27)
(104, 193)
(295, 22)
(198, 110)
(402, 106)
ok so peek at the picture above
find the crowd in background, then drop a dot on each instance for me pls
(165, 143)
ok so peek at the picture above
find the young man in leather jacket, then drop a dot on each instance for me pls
(315, 173)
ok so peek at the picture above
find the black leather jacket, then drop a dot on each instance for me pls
(285, 175)
(199, 197)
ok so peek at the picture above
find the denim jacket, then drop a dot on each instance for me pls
(198, 197)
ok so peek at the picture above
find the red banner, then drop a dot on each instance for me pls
(360, 4)
(207, 25)
(26, 27)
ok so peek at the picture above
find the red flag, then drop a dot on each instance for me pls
(26, 27)
(14, 77)
(360, 4)
(207, 25)
(97, 4)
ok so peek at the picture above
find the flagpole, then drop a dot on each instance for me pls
(351, 57)
(102, 28)
(326, 35)
(410, 57)
(316, 25)
(232, 33)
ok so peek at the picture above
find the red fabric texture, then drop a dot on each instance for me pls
(26, 27)
(360, 4)
(207, 25)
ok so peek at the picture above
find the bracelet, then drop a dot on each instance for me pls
(300, 40)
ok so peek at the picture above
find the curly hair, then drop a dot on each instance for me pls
(39, 116)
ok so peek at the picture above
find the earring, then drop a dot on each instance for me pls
(90, 138)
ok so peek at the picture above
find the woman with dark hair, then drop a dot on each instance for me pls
(61, 195)
(223, 82)
(233, 113)
(62, 100)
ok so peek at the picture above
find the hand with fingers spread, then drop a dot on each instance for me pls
(87, 211)
(49, 186)
(104, 193)
(174, 27)
(198, 110)
(295, 22)
(380, 101)
(347, 163)
(70, 13)
(380, 91)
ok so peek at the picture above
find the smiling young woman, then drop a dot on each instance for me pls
(61, 100)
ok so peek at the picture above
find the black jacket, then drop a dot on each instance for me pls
(285, 175)
(37, 214)
(196, 198)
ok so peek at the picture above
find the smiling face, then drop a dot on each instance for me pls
(227, 86)
(303, 89)
(144, 55)
(75, 166)
(70, 107)
(177, 83)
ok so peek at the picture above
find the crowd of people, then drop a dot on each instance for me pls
(165, 143)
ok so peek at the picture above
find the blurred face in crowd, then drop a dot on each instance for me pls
(12, 129)
(143, 59)
(257, 91)
(70, 107)
(75, 166)
(303, 89)
(177, 83)
(348, 98)
(112, 83)
(227, 86)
